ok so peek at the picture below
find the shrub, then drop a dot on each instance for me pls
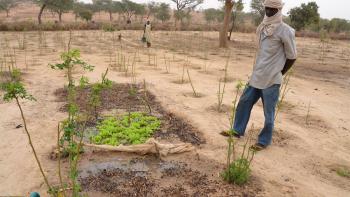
(343, 172)
(109, 28)
(238, 172)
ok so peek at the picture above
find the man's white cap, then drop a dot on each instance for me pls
(274, 4)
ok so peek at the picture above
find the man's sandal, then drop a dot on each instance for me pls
(227, 134)
(258, 147)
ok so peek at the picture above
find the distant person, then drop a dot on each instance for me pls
(147, 33)
(275, 56)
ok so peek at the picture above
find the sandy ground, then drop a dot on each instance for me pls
(301, 161)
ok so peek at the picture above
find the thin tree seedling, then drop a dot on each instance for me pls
(195, 94)
(15, 90)
(308, 114)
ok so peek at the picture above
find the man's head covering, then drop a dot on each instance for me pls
(269, 24)
(274, 4)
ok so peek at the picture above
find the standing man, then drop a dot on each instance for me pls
(275, 56)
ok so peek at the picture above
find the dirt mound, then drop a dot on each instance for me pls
(152, 177)
(120, 97)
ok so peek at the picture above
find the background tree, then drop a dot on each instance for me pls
(184, 8)
(110, 7)
(129, 8)
(258, 10)
(6, 5)
(237, 9)
(224, 28)
(304, 15)
(152, 9)
(338, 25)
(210, 15)
(140, 10)
(42, 4)
(163, 12)
(60, 7)
(82, 11)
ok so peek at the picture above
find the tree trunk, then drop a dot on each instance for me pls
(224, 29)
(41, 13)
(60, 16)
(110, 16)
(7, 13)
(233, 26)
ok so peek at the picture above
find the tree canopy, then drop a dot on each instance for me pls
(304, 15)
(6, 5)
(258, 10)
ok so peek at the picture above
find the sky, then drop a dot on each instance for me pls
(327, 8)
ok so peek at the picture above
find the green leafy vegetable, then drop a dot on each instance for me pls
(133, 128)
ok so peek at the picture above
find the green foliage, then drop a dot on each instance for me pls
(72, 126)
(213, 15)
(187, 4)
(70, 59)
(95, 97)
(237, 13)
(83, 82)
(238, 172)
(343, 172)
(163, 12)
(130, 8)
(258, 10)
(15, 90)
(60, 6)
(238, 6)
(336, 25)
(184, 8)
(83, 11)
(133, 128)
(108, 28)
(6, 5)
(16, 75)
(304, 15)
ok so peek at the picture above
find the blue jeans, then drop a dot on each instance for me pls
(250, 96)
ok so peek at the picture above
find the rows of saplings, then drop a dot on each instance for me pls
(127, 129)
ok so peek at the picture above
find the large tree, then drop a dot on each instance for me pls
(184, 8)
(60, 7)
(43, 4)
(304, 15)
(129, 9)
(258, 10)
(237, 9)
(6, 5)
(109, 6)
(82, 10)
(213, 15)
(163, 12)
(224, 28)
(152, 9)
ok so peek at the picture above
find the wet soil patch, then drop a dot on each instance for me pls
(149, 176)
(129, 97)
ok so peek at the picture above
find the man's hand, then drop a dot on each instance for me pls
(288, 65)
